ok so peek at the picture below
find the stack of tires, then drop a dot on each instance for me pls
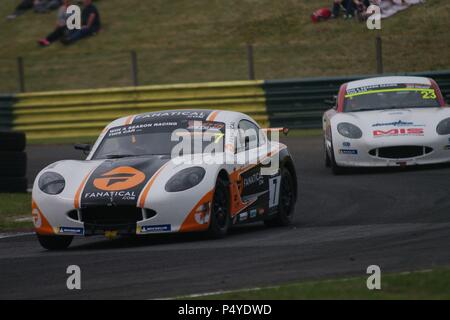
(13, 162)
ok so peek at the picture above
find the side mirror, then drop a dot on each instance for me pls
(86, 148)
(332, 103)
(247, 143)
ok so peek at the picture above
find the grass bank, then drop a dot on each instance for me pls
(425, 285)
(15, 212)
(181, 41)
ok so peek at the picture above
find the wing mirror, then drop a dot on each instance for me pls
(86, 148)
(250, 142)
(332, 103)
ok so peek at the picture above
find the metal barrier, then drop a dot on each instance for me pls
(300, 103)
(294, 103)
(84, 113)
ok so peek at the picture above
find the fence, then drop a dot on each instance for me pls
(84, 113)
(295, 103)
(70, 71)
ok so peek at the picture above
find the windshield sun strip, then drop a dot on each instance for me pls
(388, 90)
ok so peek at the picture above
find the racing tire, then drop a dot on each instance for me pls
(55, 242)
(220, 211)
(12, 141)
(286, 202)
(13, 164)
(327, 156)
(335, 168)
(8, 184)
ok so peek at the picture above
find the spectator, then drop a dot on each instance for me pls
(61, 29)
(37, 5)
(350, 7)
(43, 6)
(90, 23)
(23, 6)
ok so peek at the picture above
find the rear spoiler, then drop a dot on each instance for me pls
(283, 130)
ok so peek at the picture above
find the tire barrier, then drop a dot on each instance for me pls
(6, 111)
(294, 103)
(13, 162)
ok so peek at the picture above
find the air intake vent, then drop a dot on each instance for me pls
(400, 152)
(105, 216)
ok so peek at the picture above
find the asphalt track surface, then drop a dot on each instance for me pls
(397, 219)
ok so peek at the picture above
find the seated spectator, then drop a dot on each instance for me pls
(361, 9)
(351, 6)
(43, 6)
(61, 29)
(23, 6)
(90, 23)
(39, 6)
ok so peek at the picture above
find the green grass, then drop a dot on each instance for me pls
(431, 285)
(305, 133)
(14, 207)
(202, 40)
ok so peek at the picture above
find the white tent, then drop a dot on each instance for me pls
(391, 7)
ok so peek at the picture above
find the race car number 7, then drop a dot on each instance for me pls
(274, 190)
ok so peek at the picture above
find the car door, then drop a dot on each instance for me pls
(258, 189)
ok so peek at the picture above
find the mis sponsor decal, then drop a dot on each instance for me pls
(399, 132)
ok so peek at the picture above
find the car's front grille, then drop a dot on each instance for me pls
(400, 152)
(104, 216)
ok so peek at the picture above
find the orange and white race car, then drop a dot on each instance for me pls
(167, 171)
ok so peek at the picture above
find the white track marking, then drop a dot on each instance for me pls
(206, 294)
(199, 295)
(14, 235)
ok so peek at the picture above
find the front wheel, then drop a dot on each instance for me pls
(327, 156)
(335, 168)
(286, 202)
(220, 211)
(55, 242)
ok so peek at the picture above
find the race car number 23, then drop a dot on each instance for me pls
(274, 191)
(428, 94)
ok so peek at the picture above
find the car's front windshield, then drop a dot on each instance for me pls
(159, 138)
(392, 96)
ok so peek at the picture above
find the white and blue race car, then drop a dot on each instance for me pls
(387, 121)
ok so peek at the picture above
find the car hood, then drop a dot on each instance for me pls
(106, 182)
(418, 120)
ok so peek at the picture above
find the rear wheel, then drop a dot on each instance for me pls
(55, 242)
(286, 202)
(220, 211)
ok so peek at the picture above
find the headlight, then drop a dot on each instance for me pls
(443, 127)
(51, 183)
(349, 130)
(185, 179)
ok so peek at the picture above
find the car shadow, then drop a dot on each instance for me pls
(123, 242)
(395, 170)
